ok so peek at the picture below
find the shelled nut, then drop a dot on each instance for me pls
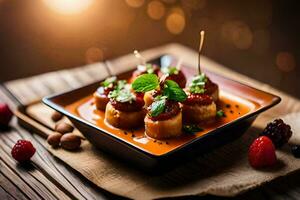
(54, 139)
(70, 141)
(64, 128)
(56, 116)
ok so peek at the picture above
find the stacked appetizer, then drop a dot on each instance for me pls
(174, 74)
(200, 104)
(101, 95)
(164, 118)
(166, 73)
(125, 108)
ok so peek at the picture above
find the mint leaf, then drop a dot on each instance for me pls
(193, 128)
(145, 83)
(173, 91)
(107, 82)
(220, 113)
(157, 107)
(160, 97)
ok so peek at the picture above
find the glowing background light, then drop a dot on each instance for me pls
(238, 33)
(156, 10)
(175, 21)
(285, 61)
(94, 54)
(68, 6)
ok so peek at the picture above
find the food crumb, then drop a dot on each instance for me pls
(237, 106)
(231, 111)
(125, 132)
(227, 105)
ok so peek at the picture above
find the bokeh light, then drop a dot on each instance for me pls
(156, 10)
(285, 61)
(238, 33)
(68, 6)
(175, 21)
(94, 54)
(135, 3)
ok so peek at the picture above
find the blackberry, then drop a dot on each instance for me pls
(296, 150)
(278, 132)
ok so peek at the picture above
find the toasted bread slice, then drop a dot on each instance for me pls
(199, 113)
(100, 101)
(164, 129)
(126, 120)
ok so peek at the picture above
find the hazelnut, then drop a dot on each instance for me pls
(70, 141)
(56, 116)
(54, 139)
(64, 128)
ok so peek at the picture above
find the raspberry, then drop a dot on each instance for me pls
(262, 153)
(22, 151)
(5, 115)
(278, 132)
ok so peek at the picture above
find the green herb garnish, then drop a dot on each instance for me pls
(145, 83)
(197, 86)
(158, 107)
(170, 90)
(220, 113)
(109, 81)
(121, 84)
(125, 96)
(192, 128)
(122, 96)
(147, 67)
(169, 70)
(122, 92)
(173, 91)
(159, 97)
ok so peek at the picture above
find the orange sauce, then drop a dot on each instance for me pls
(233, 107)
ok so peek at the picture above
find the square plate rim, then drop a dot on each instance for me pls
(47, 100)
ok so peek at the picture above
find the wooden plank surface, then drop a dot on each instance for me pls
(46, 177)
(49, 178)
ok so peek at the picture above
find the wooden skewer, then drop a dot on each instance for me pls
(200, 48)
(139, 56)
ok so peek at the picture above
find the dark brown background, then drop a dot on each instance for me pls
(257, 38)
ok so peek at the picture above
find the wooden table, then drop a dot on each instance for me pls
(49, 178)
